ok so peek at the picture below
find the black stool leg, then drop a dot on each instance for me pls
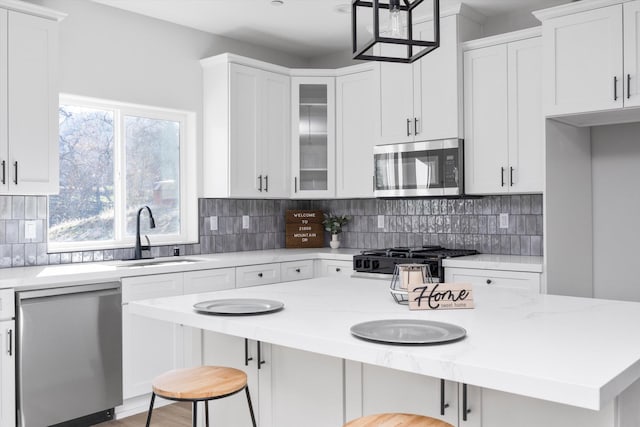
(253, 418)
(153, 397)
(194, 413)
(206, 413)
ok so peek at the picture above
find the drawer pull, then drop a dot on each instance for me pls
(489, 281)
(297, 270)
(246, 353)
(338, 270)
(259, 274)
(443, 404)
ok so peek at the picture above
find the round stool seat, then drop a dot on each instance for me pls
(396, 420)
(201, 383)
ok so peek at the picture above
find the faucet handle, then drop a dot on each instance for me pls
(148, 246)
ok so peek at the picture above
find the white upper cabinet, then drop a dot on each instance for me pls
(632, 53)
(313, 141)
(29, 101)
(583, 61)
(356, 107)
(504, 125)
(423, 101)
(246, 128)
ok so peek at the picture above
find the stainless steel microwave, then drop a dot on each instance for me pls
(426, 168)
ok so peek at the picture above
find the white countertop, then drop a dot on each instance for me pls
(71, 274)
(497, 262)
(574, 351)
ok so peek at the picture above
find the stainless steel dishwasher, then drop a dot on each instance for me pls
(69, 355)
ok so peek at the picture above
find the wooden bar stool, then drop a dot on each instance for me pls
(200, 384)
(396, 420)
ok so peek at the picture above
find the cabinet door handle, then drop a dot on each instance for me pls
(260, 361)
(15, 178)
(247, 359)
(511, 176)
(443, 405)
(10, 342)
(266, 183)
(295, 184)
(259, 274)
(615, 88)
(489, 281)
(408, 127)
(260, 180)
(465, 403)
(4, 172)
(501, 177)
(415, 125)
(628, 86)
(297, 270)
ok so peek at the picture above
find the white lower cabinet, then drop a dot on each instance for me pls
(306, 389)
(327, 268)
(501, 409)
(296, 270)
(496, 278)
(150, 347)
(390, 390)
(255, 275)
(7, 374)
(226, 350)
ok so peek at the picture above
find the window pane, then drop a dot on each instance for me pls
(153, 173)
(83, 211)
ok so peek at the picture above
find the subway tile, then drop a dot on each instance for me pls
(468, 207)
(525, 204)
(536, 245)
(30, 207)
(536, 204)
(505, 245)
(439, 224)
(426, 206)
(531, 224)
(66, 258)
(5, 207)
(411, 207)
(515, 205)
(482, 224)
(17, 207)
(30, 254)
(447, 224)
(492, 224)
(17, 255)
(473, 224)
(495, 244)
(54, 259)
(5, 256)
(525, 245)
(455, 223)
(515, 245)
(12, 231)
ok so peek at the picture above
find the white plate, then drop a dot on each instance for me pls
(238, 306)
(408, 331)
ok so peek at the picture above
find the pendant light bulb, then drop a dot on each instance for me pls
(395, 19)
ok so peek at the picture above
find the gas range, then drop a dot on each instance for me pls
(379, 262)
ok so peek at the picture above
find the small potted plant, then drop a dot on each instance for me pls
(334, 224)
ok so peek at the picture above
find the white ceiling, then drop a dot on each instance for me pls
(305, 28)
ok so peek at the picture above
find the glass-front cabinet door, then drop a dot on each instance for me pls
(313, 141)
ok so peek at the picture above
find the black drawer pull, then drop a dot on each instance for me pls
(246, 353)
(297, 270)
(338, 270)
(259, 274)
(489, 281)
(443, 405)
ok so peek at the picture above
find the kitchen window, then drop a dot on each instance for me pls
(114, 159)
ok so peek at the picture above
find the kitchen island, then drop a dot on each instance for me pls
(571, 351)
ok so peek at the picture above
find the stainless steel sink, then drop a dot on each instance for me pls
(156, 262)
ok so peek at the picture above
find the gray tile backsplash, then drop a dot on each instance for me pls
(454, 223)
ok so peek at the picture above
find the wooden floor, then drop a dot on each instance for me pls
(175, 415)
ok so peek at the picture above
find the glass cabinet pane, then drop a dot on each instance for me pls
(313, 137)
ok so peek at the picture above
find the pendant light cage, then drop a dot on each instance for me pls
(415, 48)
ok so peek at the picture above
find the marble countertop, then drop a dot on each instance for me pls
(71, 274)
(531, 264)
(574, 351)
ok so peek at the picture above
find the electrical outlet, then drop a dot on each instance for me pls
(504, 220)
(380, 221)
(30, 228)
(213, 223)
(245, 222)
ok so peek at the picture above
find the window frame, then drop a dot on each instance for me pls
(188, 175)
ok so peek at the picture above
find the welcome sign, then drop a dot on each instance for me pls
(441, 296)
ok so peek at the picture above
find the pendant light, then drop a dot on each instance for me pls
(395, 29)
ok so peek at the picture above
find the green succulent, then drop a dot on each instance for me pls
(334, 223)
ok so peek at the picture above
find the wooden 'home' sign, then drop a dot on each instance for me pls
(304, 229)
(441, 296)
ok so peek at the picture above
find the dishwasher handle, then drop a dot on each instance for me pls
(104, 288)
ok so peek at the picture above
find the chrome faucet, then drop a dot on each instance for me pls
(152, 224)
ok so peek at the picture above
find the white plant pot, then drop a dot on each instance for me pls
(334, 243)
